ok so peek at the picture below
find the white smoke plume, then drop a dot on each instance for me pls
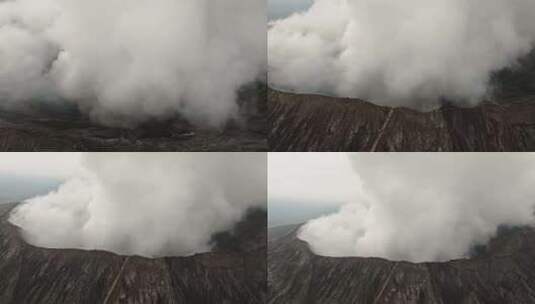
(125, 61)
(427, 207)
(411, 53)
(149, 204)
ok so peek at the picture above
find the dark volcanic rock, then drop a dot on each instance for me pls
(36, 275)
(502, 275)
(305, 122)
(44, 130)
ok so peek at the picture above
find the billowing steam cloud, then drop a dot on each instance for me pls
(147, 204)
(128, 61)
(427, 207)
(413, 52)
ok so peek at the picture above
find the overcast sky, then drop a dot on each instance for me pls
(54, 165)
(312, 178)
(282, 8)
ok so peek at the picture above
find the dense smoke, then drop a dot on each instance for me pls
(414, 53)
(128, 61)
(147, 204)
(427, 207)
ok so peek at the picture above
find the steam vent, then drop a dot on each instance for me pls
(267, 152)
(362, 77)
(500, 274)
(226, 275)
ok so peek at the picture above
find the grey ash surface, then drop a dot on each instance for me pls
(44, 130)
(502, 273)
(228, 274)
(308, 122)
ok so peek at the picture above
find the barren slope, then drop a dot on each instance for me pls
(228, 275)
(305, 122)
(503, 274)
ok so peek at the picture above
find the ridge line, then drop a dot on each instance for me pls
(382, 130)
(115, 281)
(385, 284)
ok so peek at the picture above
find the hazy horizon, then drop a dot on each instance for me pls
(278, 9)
(304, 186)
(26, 175)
